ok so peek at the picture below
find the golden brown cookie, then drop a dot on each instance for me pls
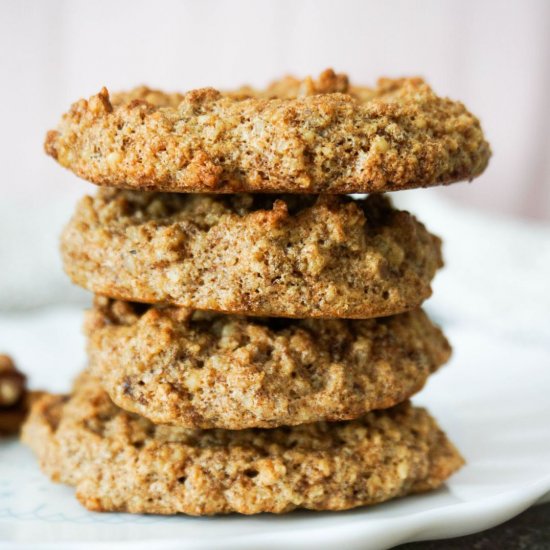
(121, 462)
(306, 136)
(206, 370)
(284, 255)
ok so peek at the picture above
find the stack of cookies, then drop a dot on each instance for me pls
(256, 333)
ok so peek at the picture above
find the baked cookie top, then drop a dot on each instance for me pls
(204, 370)
(309, 136)
(283, 255)
(119, 461)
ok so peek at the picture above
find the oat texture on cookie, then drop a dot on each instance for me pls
(196, 369)
(282, 255)
(323, 136)
(119, 461)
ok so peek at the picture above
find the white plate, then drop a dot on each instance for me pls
(492, 400)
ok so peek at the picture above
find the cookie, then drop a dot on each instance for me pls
(204, 370)
(119, 461)
(306, 136)
(283, 255)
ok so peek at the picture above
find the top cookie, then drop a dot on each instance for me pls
(308, 136)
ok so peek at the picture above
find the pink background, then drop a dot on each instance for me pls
(493, 55)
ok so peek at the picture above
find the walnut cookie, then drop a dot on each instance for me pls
(308, 136)
(119, 461)
(284, 255)
(204, 370)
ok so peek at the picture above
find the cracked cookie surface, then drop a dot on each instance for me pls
(323, 136)
(121, 462)
(269, 255)
(204, 370)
